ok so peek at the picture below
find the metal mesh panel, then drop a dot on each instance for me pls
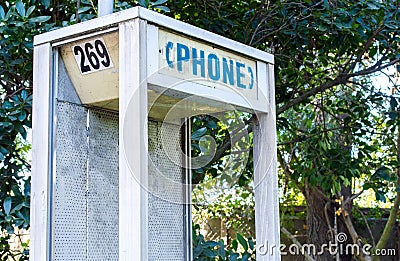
(103, 186)
(165, 219)
(85, 219)
(65, 88)
(69, 217)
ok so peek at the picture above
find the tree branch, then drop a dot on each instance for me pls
(393, 212)
(297, 243)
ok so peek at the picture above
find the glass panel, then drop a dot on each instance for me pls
(222, 190)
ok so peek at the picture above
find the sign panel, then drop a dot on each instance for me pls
(92, 65)
(214, 67)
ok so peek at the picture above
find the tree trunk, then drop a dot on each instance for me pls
(321, 235)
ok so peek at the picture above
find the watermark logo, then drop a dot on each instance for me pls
(339, 247)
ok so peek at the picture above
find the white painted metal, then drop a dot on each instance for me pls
(212, 97)
(157, 19)
(139, 78)
(41, 153)
(106, 7)
(133, 166)
(266, 180)
(273, 138)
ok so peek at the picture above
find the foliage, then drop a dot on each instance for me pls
(218, 251)
(9, 254)
(234, 207)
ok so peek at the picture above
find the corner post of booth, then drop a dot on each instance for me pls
(42, 123)
(132, 174)
(265, 175)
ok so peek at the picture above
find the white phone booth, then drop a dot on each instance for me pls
(112, 98)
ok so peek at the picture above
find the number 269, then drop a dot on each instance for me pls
(96, 55)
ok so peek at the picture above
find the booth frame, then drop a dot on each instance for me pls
(137, 33)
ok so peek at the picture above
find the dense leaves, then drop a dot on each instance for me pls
(241, 249)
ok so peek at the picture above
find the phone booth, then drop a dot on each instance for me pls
(113, 98)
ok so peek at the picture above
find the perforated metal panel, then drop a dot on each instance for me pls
(85, 219)
(69, 212)
(165, 221)
(103, 186)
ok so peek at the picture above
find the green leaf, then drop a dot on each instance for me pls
(221, 250)
(242, 241)
(163, 8)
(159, 2)
(10, 229)
(46, 3)
(211, 244)
(24, 95)
(380, 196)
(393, 115)
(2, 13)
(9, 13)
(18, 222)
(30, 10)
(209, 253)
(20, 8)
(245, 257)
(143, 3)
(39, 19)
(7, 205)
(7, 105)
(233, 257)
(234, 244)
(22, 115)
(393, 103)
(84, 9)
(251, 243)
(3, 150)
(196, 135)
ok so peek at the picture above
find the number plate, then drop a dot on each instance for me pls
(92, 56)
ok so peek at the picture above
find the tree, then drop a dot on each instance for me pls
(335, 124)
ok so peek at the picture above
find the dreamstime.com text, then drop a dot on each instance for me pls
(339, 247)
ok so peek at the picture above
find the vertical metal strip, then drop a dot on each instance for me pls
(187, 222)
(87, 179)
(52, 152)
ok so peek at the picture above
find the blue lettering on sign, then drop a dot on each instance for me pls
(251, 77)
(198, 62)
(182, 55)
(227, 72)
(233, 72)
(213, 67)
(169, 47)
(239, 75)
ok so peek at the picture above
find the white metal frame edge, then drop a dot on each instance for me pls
(114, 19)
(133, 164)
(42, 121)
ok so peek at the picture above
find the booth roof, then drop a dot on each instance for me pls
(110, 22)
